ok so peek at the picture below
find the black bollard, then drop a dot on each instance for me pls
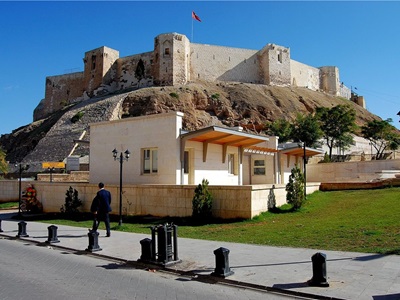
(22, 229)
(222, 268)
(1, 230)
(319, 270)
(93, 241)
(147, 254)
(175, 238)
(52, 237)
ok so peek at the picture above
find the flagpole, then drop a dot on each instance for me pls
(192, 32)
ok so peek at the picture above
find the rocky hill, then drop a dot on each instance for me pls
(204, 104)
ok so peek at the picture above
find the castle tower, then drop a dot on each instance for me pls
(171, 59)
(329, 80)
(274, 64)
(98, 64)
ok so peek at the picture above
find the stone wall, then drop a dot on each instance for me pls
(74, 176)
(304, 76)
(60, 91)
(278, 65)
(216, 63)
(98, 71)
(329, 80)
(126, 68)
(350, 171)
(158, 200)
(9, 189)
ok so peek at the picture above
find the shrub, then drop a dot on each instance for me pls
(215, 96)
(77, 116)
(202, 201)
(295, 188)
(174, 95)
(72, 202)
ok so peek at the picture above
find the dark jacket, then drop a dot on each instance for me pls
(101, 203)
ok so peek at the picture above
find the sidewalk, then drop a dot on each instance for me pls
(350, 275)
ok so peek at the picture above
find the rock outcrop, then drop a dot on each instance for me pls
(204, 104)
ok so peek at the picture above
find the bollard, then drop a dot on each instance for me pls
(52, 237)
(222, 263)
(22, 229)
(93, 241)
(147, 254)
(175, 234)
(1, 230)
(319, 270)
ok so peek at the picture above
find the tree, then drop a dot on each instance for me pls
(394, 145)
(295, 188)
(306, 129)
(381, 135)
(337, 124)
(3, 162)
(281, 128)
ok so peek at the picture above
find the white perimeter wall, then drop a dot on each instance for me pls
(350, 171)
(161, 200)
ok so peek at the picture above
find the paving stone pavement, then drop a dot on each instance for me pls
(350, 275)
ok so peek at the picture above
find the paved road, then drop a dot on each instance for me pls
(351, 275)
(29, 271)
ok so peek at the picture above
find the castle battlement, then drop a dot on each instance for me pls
(174, 60)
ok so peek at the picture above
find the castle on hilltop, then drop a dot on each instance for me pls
(174, 60)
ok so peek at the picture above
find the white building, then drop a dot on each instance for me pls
(162, 153)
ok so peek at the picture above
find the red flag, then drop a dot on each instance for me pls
(196, 17)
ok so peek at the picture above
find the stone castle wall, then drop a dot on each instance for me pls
(304, 76)
(174, 60)
(126, 68)
(216, 63)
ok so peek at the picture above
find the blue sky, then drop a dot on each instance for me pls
(40, 39)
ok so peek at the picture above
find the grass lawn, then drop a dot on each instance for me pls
(9, 205)
(361, 221)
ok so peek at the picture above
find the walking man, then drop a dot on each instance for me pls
(101, 208)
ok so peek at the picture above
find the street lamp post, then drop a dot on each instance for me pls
(305, 169)
(121, 159)
(51, 170)
(303, 144)
(21, 169)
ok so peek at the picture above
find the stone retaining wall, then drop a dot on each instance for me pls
(158, 200)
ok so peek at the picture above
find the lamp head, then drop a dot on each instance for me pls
(115, 153)
(127, 153)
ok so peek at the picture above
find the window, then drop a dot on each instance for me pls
(150, 161)
(166, 51)
(259, 167)
(93, 62)
(232, 164)
(280, 56)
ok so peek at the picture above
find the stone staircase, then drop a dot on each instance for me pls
(59, 141)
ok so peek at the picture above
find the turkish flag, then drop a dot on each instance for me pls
(196, 17)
